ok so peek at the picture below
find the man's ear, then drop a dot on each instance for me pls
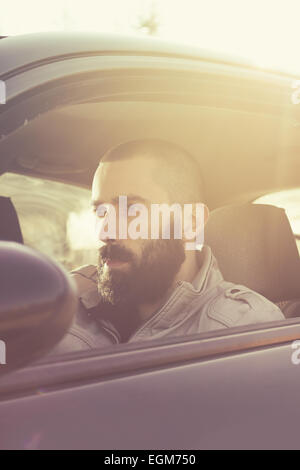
(197, 221)
(206, 213)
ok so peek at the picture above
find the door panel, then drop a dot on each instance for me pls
(247, 400)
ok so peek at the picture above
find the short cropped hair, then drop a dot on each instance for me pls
(177, 170)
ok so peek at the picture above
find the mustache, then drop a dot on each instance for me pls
(114, 253)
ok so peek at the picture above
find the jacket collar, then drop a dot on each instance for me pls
(181, 303)
(209, 273)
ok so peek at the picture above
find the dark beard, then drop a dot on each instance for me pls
(147, 279)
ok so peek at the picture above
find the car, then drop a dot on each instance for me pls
(68, 98)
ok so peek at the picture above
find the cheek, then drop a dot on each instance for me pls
(136, 247)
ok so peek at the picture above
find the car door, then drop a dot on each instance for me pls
(235, 389)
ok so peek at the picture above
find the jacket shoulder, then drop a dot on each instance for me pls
(85, 278)
(237, 305)
(87, 271)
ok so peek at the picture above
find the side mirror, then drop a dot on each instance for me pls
(37, 303)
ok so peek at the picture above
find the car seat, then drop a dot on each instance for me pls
(254, 245)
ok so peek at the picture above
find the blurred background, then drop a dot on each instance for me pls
(264, 31)
(55, 218)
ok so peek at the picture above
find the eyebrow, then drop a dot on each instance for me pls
(115, 200)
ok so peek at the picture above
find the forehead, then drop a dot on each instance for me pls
(131, 176)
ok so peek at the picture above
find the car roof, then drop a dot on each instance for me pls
(256, 125)
(31, 49)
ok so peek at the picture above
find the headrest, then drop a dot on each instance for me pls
(254, 245)
(9, 223)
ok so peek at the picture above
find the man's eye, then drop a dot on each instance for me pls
(101, 214)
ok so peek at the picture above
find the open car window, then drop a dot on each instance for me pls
(55, 218)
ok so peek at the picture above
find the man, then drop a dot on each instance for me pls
(148, 288)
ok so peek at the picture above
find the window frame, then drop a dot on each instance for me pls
(82, 367)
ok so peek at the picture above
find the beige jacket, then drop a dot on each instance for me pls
(209, 303)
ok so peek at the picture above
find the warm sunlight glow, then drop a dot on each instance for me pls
(265, 32)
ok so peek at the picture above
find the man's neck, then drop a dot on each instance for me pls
(187, 272)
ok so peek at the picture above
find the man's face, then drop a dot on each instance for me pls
(132, 272)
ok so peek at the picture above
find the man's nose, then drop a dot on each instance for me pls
(105, 236)
(107, 229)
